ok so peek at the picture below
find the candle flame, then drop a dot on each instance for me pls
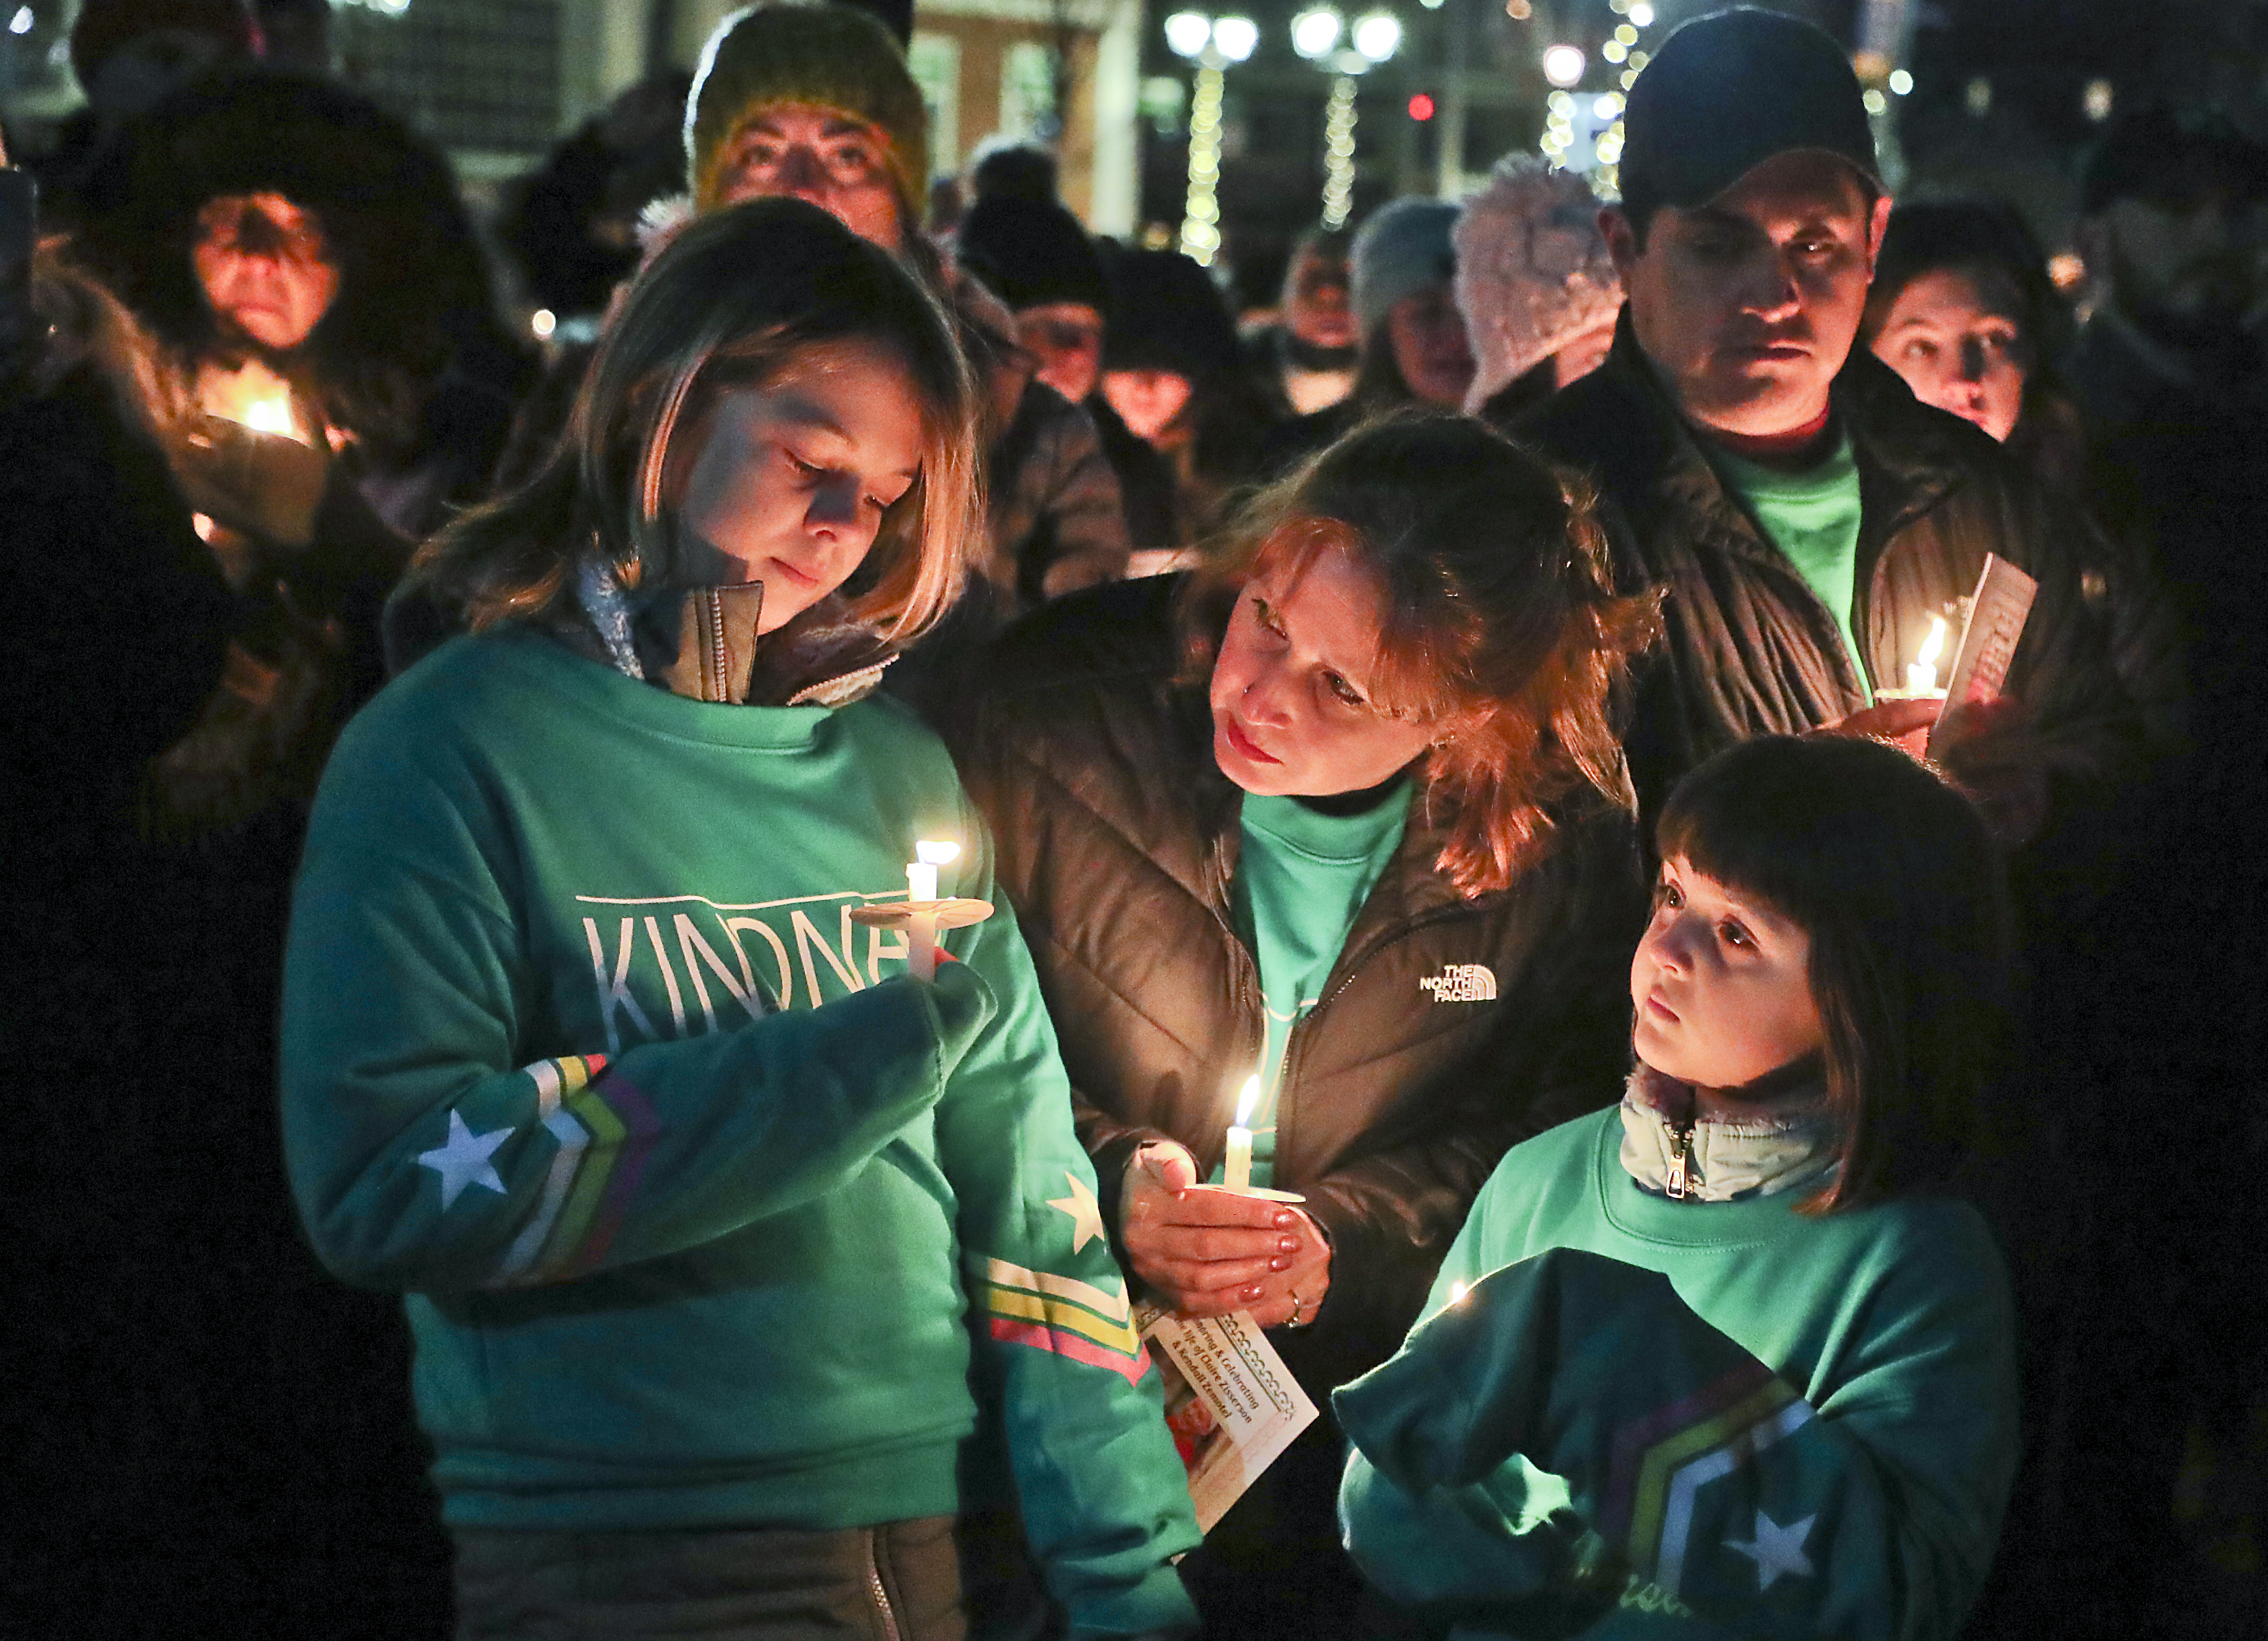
(1933, 646)
(1247, 1098)
(932, 854)
(1457, 1291)
(268, 416)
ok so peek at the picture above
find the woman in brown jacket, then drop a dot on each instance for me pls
(1345, 812)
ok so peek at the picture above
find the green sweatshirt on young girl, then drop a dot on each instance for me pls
(1653, 1417)
(698, 1202)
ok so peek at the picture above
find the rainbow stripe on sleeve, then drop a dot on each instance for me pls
(1659, 1461)
(606, 1127)
(1058, 1314)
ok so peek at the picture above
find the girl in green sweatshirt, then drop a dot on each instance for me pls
(742, 1265)
(1716, 1362)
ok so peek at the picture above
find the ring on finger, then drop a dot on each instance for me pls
(1298, 1319)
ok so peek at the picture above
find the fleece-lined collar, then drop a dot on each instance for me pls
(821, 658)
(1787, 1144)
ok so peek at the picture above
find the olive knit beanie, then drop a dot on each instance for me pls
(805, 51)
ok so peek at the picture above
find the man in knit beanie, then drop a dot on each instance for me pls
(811, 100)
(1534, 283)
(1402, 267)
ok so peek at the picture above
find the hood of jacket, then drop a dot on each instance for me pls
(413, 297)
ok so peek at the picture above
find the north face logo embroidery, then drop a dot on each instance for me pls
(1461, 982)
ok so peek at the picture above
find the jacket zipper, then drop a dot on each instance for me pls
(1677, 1181)
(712, 614)
(874, 1585)
(1299, 1026)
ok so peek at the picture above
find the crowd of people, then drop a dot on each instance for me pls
(1743, 1144)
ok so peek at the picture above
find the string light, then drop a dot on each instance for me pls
(1338, 153)
(1201, 215)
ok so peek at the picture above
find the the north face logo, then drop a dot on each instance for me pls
(1461, 982)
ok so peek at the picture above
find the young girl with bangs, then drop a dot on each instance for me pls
(1343, 814)
(1725, 1360)
(740, 1263)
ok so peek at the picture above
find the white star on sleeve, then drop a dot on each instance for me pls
(464, 1159)
(1777, 1549)
(1085, 1213)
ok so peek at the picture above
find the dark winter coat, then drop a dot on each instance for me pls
(1451, 1029)
(1058, 521)
(1751, 650)
(207, 1422)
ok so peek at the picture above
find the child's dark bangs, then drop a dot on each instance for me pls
(1723, 831)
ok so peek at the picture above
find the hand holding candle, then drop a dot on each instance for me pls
(1204, 1250)
(921, 915)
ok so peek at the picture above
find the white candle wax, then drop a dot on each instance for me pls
(921, 945)
(921, 891)
(1236, 1170)
(1236, 1173)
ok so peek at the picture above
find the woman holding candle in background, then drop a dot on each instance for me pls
(307, 269)
(696, 1199)
(1345, 811)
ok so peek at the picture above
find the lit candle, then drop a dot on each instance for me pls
(254, 395)
(1457, 1293)
(921, 900)
(1921, 676)
(1236, 1173)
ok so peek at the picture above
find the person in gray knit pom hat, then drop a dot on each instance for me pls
(1534, 283)
(1413, 348)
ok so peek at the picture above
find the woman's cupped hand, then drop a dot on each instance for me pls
(1209, 1251)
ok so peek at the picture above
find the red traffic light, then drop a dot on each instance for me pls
(1421, 107)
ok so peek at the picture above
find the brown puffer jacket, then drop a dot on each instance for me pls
(1752, 651)
(1451, 1029)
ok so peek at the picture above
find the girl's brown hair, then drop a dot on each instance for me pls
(1892, 875)
(1500, 625)
(734, 300)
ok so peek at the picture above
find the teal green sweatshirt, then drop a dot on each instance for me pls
(1812, 518)
(1301, 879)
(707, 1215)
(1653, 1417)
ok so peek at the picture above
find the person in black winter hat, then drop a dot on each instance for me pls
(1039, 261)
(1171, 371)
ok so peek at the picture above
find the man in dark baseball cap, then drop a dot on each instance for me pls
(1808, 520)
(1808, 516)
(1751, 213)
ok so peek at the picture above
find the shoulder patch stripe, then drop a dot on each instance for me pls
(563, 1079)
(1636, 1439)
(1116, 1307)
(1033, 1308)
(1078, 1349)
(598, 1163)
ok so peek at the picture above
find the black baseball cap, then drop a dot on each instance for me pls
(1729, 91)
